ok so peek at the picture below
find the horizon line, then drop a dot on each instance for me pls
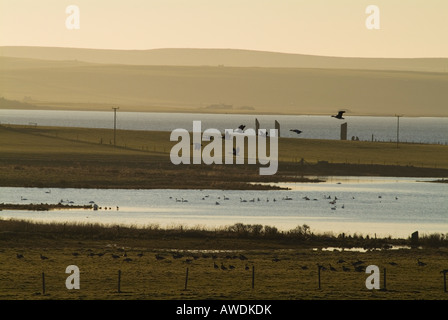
(221, 48)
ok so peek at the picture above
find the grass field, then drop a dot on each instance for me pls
(153, 265)
(75, 157)
(78, 157)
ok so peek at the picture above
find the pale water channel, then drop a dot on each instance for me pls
(368, 206)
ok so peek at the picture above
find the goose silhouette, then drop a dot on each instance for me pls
(339, 115)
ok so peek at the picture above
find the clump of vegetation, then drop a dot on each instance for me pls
(298, 236)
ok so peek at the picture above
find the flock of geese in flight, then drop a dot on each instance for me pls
(241, 128)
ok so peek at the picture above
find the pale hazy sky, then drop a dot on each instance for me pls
(408, 28)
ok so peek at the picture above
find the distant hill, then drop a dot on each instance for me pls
(14, 104)
(224, 57)
(251, 90)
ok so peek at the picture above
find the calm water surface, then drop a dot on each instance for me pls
(385, 206)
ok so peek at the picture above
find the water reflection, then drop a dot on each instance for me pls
(381, 206)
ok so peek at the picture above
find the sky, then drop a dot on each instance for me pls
(411, 28)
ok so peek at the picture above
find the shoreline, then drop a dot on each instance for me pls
(173, 110)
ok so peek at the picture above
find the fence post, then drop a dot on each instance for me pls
(253, 277)
(318, 275)
(119, 281)
(43, 283)
(444, 280)
(186, 280)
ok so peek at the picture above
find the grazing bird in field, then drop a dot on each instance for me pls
(20, 256)
(346, 269)
(360, 268)
(321, 267)
(75, 254)
(296, 131)
(215, 265)
(159, 257)
(43, 257)
(341, 261)
(127, 260)
(332, 268)
(115, 256)
(275, 260)
(357, 263)
(231, 267)
(140, 254)
(242, 257)
(246, 267)
(223, 267)
(304, 267)
(393, 263)
(339, 115)
(421, 264)
(178, 256)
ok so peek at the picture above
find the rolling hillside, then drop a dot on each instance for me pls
(70, 84)
(224, 57)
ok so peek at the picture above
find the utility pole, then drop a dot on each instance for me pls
(398, 128)
(115, 124)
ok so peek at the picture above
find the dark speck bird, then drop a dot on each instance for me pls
(159, 257)
(321, 267)
(296, 131)
(43, 257)
(421, 264)
(19, 256)
(339, 115)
